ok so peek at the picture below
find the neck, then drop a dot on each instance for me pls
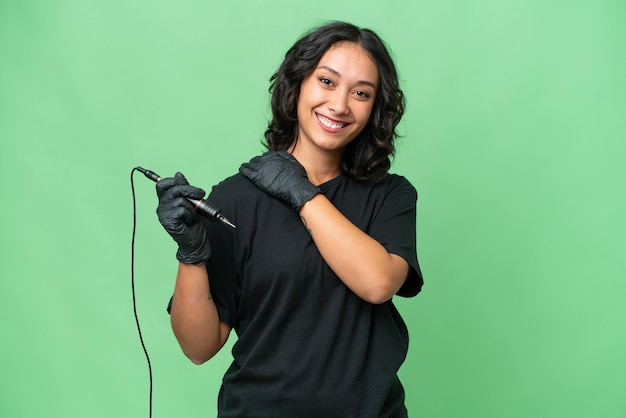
(320, 166)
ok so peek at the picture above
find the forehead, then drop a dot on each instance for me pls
(350, 60)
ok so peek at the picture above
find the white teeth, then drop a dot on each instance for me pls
(329, 123)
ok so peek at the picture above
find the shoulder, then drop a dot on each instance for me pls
(234, 186)
(396, 181)
(395, 185)
(235, 190)
(390, 182)
(392, 188)
(238, 196)
(234, 181)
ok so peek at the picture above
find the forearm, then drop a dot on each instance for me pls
(194, 317)
(361, 262)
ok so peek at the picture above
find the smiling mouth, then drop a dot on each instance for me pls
(330, 124)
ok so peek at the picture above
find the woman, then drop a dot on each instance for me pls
(325, 238)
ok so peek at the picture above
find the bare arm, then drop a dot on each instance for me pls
(194, 318)
(362, 263)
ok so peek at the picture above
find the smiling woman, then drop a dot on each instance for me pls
(334, 106)
(325, 239)
(366, 159)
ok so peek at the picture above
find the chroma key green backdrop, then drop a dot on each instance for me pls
(514, 137)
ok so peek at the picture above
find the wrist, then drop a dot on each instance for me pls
(191, 268)
(309, 206)
(198, 257)
(304, 194)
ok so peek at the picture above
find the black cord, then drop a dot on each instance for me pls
(132, 282)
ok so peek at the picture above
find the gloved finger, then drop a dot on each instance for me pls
(165, 183)
(285, 155)
(188, 191)
(175, 212)
(265, 167)
(180, 191)
(180, 178)
(289, 157)
(251, 166)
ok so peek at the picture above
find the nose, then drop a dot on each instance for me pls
(338, 102)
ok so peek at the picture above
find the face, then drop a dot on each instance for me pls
(336, 99)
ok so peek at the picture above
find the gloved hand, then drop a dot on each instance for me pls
(178, 217)
(279, 174)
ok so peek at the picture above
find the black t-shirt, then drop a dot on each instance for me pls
(307, 345)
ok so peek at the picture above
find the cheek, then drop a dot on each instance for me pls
(310, 96)
(304, 99)
(364, 113)
(303, 106)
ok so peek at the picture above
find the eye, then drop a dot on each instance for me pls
(363, 95)
(326, 81)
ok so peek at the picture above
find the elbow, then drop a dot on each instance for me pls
(386, 281)
(198, 354)
(198, 359)
(377, 298)
(382, 289)
(378, 295)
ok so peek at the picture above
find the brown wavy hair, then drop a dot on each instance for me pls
(367, 157)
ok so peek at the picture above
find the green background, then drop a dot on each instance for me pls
(514, 137)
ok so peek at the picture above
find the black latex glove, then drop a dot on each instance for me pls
(180, 220)
(279, 174)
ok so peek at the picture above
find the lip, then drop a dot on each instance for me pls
(331, 125)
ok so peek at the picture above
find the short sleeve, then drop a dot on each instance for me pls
(394, 226)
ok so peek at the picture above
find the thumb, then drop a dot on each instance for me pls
(180, 179)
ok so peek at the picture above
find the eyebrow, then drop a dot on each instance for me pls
(332, 70)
